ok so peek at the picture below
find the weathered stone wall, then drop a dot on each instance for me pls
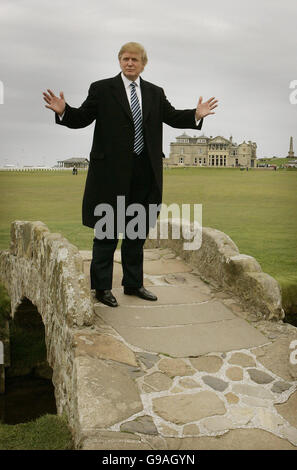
(218, 259)
(46, 269)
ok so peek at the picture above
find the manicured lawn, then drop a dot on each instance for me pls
(49, 432)
(52, 197)
(256, 208)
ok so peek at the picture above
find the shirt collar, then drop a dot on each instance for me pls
(127, 82)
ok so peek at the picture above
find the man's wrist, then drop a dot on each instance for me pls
(197, 119)
(61, 115)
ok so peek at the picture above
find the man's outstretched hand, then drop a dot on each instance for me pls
(54, 102)
(204, 109)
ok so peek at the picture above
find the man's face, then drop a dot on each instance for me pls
(131, 65)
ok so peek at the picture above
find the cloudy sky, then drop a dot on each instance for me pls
(244, 53)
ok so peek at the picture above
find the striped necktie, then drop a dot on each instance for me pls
(137, 119)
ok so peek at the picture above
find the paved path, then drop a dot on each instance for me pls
(190, 371)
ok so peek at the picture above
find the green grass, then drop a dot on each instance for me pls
(276, 161)
(49, 432)
(52, 197)
(256, 208)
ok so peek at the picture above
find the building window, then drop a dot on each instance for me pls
(181, 159)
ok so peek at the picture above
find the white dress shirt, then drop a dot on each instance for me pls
(127, 84)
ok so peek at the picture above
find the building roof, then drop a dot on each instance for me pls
(184, 136)
(211, 138)
(75, 160)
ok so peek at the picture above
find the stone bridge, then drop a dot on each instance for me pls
(206, 367)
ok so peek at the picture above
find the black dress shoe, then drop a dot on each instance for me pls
(106, 297)
(140, 292)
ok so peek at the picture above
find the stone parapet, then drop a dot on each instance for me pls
(48, 270)
(218, 260)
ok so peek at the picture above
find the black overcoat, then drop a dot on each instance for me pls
(111, 155)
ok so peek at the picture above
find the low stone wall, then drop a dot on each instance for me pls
(46, 269)
(218, 259)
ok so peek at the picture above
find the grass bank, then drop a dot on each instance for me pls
(49, 432)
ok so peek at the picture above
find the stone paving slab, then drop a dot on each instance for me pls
(289, 409)
(112, 441)
(106, 394)
(239, 439)
(236, 439)
(167, 295)
(166, 266)
(103, 346)
(208, 312)
(182, 409)
(194, 339)
(185, 279)
(227, 384)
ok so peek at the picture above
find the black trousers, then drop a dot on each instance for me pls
(101, 270)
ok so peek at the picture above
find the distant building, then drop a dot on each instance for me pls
(210, 152)
(291, 151)
(291, 164)
(71, 162)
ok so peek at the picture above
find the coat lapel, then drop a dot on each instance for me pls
(119, 91)
(146, 98)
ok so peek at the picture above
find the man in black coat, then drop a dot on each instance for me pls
(126, 160)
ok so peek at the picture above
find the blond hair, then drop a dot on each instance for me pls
(134, 47)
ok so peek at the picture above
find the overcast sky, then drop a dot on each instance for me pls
(242, 52)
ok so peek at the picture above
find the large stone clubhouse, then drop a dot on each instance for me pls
(210, 152)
